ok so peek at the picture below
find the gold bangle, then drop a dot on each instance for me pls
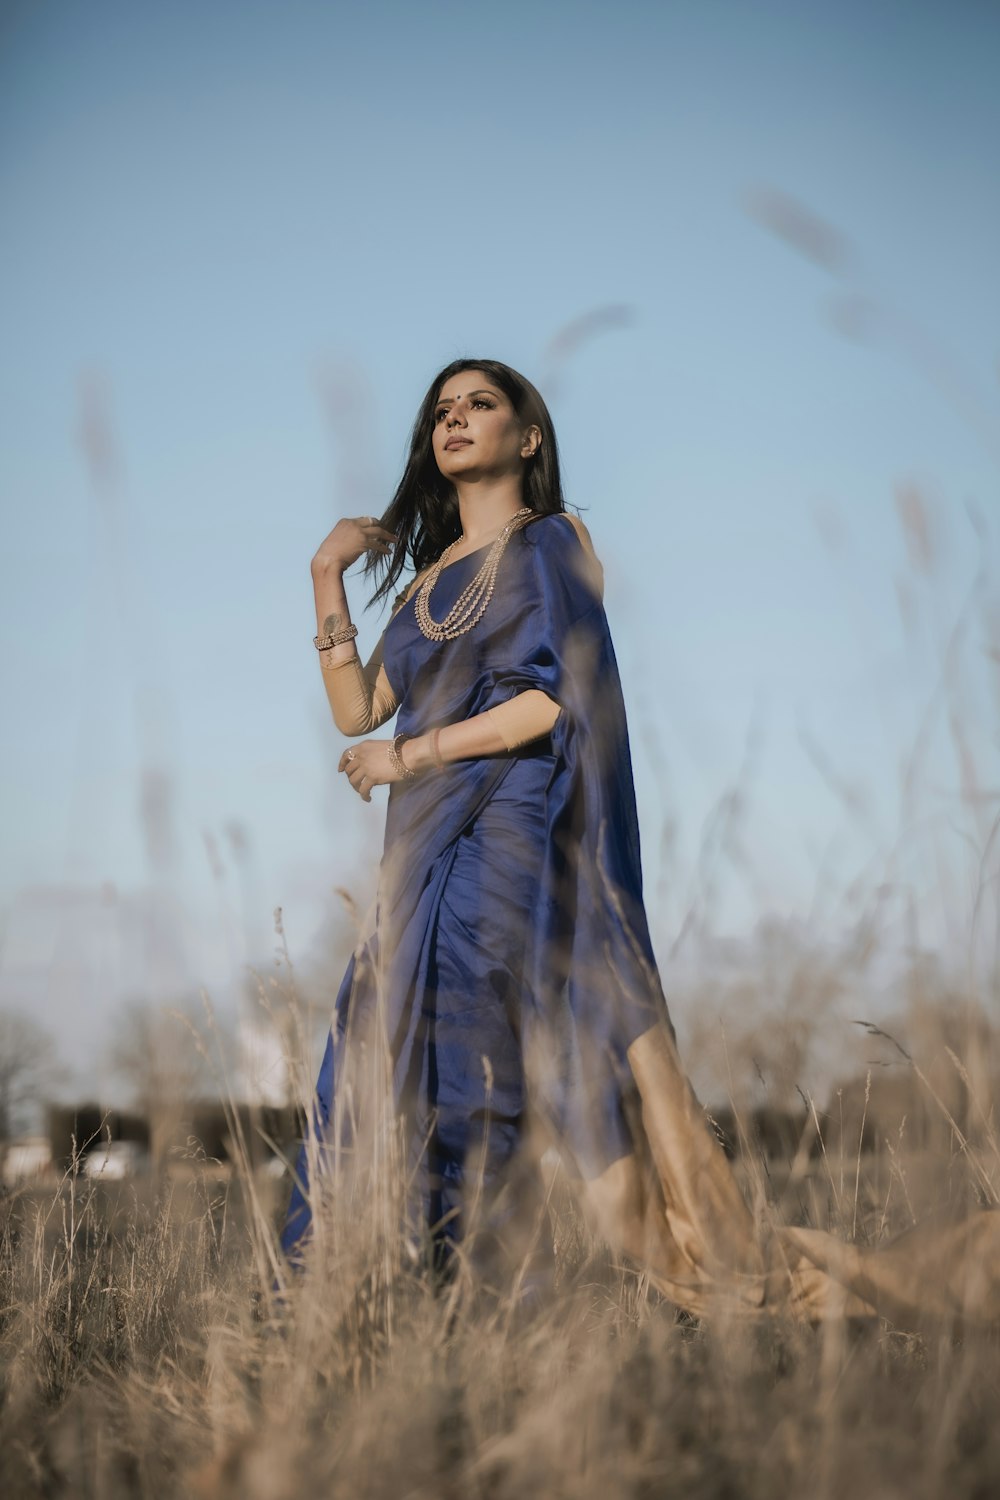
(324, 642)
(396, 760)
(436, 755)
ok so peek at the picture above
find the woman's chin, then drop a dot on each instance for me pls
(457, 459)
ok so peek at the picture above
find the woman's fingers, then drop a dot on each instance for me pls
(366, 766)
(356, 774)
(375, 533)
(352, 536)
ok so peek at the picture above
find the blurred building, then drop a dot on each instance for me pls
(25, 1160)
(195, 1135)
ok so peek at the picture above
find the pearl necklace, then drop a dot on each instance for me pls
(471, 603)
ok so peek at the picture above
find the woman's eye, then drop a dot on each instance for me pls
(476, 401)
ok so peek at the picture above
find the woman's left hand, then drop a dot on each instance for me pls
(367, 765)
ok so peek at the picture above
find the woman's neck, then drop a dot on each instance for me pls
(484, 514)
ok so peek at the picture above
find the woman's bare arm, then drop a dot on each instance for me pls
(360, 697)
(525, 717)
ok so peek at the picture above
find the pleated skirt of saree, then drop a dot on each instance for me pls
(464, 1102)
(471, 1106)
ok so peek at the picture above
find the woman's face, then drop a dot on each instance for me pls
(476, 431)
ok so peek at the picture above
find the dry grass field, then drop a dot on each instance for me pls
(143, 1354)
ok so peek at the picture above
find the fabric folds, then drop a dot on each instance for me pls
(582, 981)
(510, 977)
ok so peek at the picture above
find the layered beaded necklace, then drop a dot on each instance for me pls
(471, 603)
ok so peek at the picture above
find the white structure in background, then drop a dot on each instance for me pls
(262, 1069)
(115, 1160)
(25, 1159)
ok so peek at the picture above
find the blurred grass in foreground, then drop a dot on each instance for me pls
(141, 1353)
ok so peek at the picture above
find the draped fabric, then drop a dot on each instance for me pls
(510, 976)
(568, 957)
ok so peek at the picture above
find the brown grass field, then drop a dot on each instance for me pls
(142, 1354)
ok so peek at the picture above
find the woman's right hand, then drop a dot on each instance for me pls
(348, 539)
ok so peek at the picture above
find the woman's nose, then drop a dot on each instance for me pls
(454, 415)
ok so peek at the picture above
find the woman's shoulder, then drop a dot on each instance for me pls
(551, 533)
(554, 526)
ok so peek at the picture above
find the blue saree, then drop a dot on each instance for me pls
(511, 961)
(511, 975)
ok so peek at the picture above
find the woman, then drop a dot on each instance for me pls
(510, 981)
(510, 894)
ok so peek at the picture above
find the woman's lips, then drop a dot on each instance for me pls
(458, 443)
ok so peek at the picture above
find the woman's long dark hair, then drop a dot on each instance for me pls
(423, 513)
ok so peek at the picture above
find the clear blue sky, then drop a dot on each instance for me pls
(246, 235)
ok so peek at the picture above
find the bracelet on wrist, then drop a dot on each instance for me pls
(396, 760)
(338, 637)
(436, 755)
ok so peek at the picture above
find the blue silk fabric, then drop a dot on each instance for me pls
(510, 912)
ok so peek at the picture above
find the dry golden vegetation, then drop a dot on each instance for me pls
(143, 1352)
